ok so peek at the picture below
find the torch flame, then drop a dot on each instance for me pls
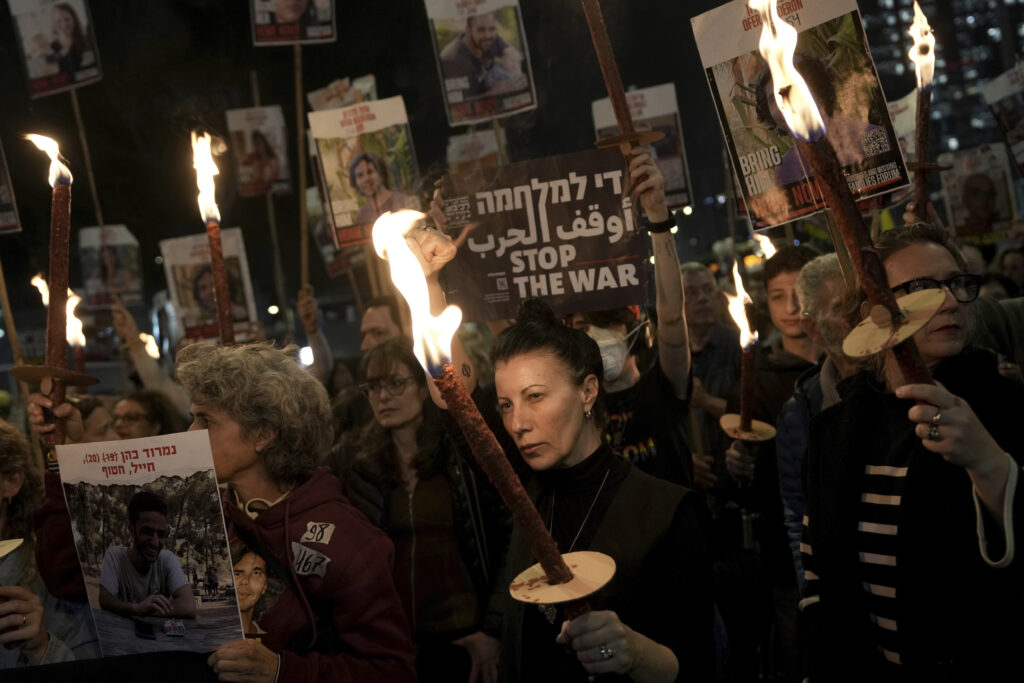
(73, 331)
(793, 97)
(767, 248)
(151, 348)
(738, 309)
(202, 161)
(59, 173)
(922, 54)
(432, 335)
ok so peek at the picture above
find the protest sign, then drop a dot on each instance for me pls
(1005, 94)
(190, 281)
(903, 113)
(482, 58)
(832, 55)
(258, 141)
(368, 164)
(656, 109)
(281, 22)
(9, 221)
(151, 500)
(557, 228)
(110, 265)
(343, 92)
(979, 196)
(472, 151)
(58, 45)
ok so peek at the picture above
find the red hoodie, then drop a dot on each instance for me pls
(343, 565)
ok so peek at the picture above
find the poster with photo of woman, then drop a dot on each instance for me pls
(368, 163)
(109, 256)
(57, 42)
(288, 22)
(259, 143)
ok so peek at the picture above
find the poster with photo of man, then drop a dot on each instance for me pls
(260, 148)
(558, 228)
(832, 55)
(1005, 95)
(109, 256)
(978, 191)
(368, 163)
(190, 281)
(657, 109)
(289, 22)
(58, 44)
(482, 59)
(150, 536)
(9, 221)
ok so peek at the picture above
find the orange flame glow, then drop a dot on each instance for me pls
(151, 348)
(738, 310)
(58, 171)
(202, 161)
(922, 54)
(767, 248)
(792, 96)
(73, 331)
(431, 335)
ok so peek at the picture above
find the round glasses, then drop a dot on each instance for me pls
(964, 287)
(393, 385)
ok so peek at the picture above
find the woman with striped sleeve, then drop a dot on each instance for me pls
(912, 510)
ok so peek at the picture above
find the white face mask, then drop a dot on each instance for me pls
(614, 349)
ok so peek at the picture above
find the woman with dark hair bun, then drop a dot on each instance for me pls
(653, 621)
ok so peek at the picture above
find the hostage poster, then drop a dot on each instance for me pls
(368, 164)
(260, 148)
(1005, 95)
(482, 58)
(558, 228)
(9, 221)
(654, 109)
(978, 190)
(833, 57)
(342, 92)
(58, 44)
(152, 503)
(110, 266)
(190, 281)
(288, 22)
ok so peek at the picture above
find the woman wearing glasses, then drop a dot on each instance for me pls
(909, 539)
(145, 413)
(412, 475)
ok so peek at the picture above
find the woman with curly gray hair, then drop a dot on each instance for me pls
(337, 614)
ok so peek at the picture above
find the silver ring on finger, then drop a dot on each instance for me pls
(937, 418)
(606, 652)
(24, 619)
(933, 433)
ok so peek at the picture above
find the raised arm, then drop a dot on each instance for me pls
(673, 341)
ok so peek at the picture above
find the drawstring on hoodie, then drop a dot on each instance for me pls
(291, 568)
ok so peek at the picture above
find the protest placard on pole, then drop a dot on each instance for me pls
(167, 483)
(656, 109)
(482, 59)
(9, 220)
(292, 23)
(833, 56)
(58, 44)
(1005, 94)
(343, 92)
(978, 191)
(190, 282)
(109, 256)
(557, 228)
(260, 149)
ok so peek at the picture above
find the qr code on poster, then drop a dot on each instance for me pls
(875, 142)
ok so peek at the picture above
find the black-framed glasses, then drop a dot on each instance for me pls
(964, 286)
(394, 385)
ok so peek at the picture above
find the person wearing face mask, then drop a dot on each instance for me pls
(648, 402)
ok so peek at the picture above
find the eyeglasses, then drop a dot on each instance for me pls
(393, 385)
(964, 287)
(130, 418)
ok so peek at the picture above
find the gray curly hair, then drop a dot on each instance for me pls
(267, 393)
